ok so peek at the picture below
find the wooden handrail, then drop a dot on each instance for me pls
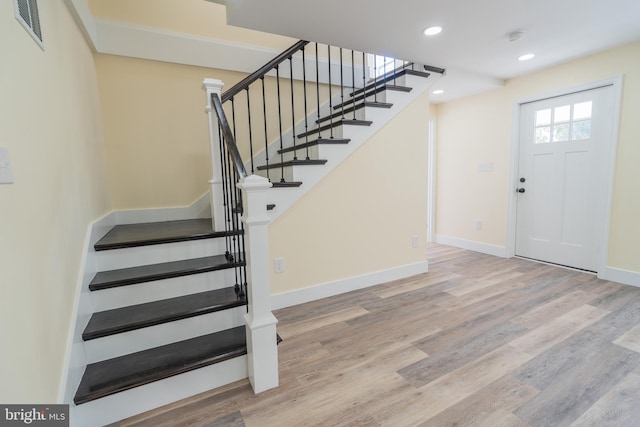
(228, 136)
(244, 83)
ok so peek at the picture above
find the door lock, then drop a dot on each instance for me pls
(520, 190)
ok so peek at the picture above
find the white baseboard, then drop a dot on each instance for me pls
(201, 208)
(471, 245)
(621, 276)
(324, 290)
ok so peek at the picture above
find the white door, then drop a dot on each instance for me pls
(564, 149)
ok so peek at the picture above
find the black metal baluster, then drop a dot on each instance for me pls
(375, 78)
(233, 119)
(250, 133)
(225, 204)
(394, 72)
(341, 84)
(304, 85)
(280, 123)
(330, 100)
(353, 81)
(318, 91)
(266, 137)
(364, 79)
(228, 206)
(235, 136)
(293, 110)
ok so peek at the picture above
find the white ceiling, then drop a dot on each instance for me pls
(473, 46)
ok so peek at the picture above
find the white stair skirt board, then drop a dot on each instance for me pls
(358, 135)
(123, 343)
(471, 245)
(201, 208)
(150, 396)
(155, 254)
(619, 275)
(139, 293)
(329, 289)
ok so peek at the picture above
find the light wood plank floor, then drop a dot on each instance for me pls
(478, 340)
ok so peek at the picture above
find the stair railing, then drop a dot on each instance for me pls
(262, 125)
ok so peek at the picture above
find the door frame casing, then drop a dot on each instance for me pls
(602, 241)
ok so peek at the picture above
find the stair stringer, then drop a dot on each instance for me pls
(284, 198)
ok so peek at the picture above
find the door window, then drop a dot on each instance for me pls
(563, 123)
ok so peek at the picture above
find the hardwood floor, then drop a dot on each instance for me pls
(478, 340)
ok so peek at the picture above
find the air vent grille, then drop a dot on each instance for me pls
(27, 14)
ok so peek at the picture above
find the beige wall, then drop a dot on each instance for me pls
(361, 217)
(156, 130)
(478, 129)
(198, 17)
(51, 125)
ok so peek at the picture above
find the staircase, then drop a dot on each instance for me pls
(172, 308)
(167, 303)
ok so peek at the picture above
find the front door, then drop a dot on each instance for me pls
(564, 150)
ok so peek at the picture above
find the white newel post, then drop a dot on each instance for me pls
(217, 199)
(262, 348)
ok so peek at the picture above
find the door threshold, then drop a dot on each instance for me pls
(568, 267)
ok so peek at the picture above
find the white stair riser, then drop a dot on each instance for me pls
(140, 293)
(155, 254)
(131, 402)
(166, 333)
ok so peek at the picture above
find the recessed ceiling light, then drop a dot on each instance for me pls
(432, 31)
(526, 57)
(437, 91)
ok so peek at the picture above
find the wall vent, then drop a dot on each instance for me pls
(27, 15)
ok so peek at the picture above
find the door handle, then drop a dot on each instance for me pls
(520, 190)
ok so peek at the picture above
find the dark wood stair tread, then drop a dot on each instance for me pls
(358, 106)
(286, 184)
(166, 270)
(152, 233)
(109, 322)
(337, 123)
(300, 162)
(345, 114)
(379, 89)
(389, 77)
(125, 372)
(318, 141)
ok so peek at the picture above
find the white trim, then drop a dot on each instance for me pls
(616, 81)
(328, 289)
(619, 275)
(198, 209)
(603, 241)
(86, 23)
(74, 360)
(118, 38)
(471, 245)
(431, 180)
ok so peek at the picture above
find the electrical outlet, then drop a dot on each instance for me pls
(478, 224)
(278, 265)
(414, 241)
